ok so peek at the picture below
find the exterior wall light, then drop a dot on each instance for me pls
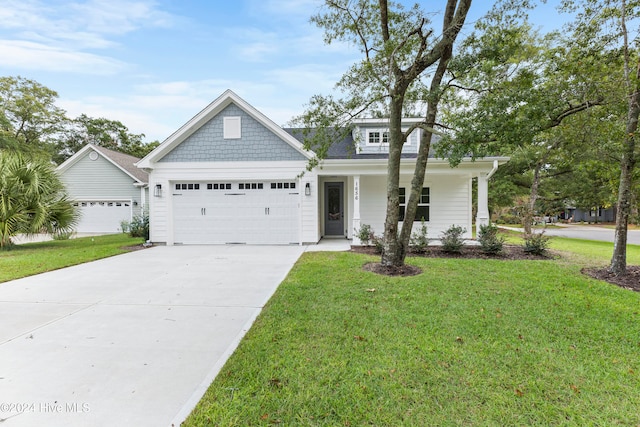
(307, 189)
(157, 191)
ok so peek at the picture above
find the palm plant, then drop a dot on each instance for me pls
(32, 198)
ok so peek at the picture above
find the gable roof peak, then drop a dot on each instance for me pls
(204, 116)
(122, 161)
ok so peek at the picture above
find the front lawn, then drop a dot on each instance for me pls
(33, 258)
(468, 342)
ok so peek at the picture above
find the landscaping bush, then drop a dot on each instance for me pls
(62, 235)
(365, 234)
(138, 227)
(536, 243)
(378, 243)
(490, 241)
(418, 241)
(508, 219)
(452, 240)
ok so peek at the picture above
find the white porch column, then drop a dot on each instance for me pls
(482, 217)
(356, 209)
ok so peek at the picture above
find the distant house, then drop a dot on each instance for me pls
(106, 187)
(231, 175)
(592, 215)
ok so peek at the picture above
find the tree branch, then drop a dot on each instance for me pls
(572, 109)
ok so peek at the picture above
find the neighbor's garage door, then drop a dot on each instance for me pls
(264, 212)
(103, 216)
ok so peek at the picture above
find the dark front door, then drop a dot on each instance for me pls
(333, 209)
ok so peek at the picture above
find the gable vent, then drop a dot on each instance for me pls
(232, 128)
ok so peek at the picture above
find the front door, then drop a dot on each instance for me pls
(334, 209)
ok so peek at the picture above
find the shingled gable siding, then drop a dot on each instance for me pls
(410, 146)
(208, 145)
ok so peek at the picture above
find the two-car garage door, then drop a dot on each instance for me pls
(253, 212)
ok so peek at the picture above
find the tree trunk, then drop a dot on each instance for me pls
(393, 251)
(627, 166)
(530, 207)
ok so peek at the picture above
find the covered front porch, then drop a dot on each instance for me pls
(349, 199)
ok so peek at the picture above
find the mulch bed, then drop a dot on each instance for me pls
(405, 270)
(631, 280)
(509, 252)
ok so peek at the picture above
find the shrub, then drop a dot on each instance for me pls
(139, 226)
(536, 243)
(452, 240)
(508, 218)
(378, 242)
(365, 234)
(418, 241)
(490, 241)
(62, 235)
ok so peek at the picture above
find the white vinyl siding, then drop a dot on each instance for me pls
(449, 202)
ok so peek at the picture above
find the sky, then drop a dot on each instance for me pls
(154, 64)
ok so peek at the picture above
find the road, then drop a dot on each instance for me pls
(587, 232)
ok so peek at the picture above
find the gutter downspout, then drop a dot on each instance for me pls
(492, 171)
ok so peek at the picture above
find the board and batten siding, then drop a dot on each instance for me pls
(310, 232)
(450, 203)
(100, 179)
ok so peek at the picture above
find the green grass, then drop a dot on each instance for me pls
(33, 258)
(468, 342)
(581, 252)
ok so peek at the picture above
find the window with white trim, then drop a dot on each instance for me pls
(189, 186)
(376, 137)
(422, 212)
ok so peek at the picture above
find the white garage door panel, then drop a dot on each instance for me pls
(103, 216)
(235, 215)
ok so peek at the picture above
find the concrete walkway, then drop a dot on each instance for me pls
(132, 340)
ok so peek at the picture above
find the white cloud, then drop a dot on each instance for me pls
(30, 55)
(57, 35)
(159, 109)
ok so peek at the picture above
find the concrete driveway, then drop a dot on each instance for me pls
(132, 340)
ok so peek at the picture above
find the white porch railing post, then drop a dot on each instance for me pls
(482, 217)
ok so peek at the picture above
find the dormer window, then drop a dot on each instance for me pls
(377, 137)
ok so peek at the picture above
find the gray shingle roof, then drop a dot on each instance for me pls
(345, 148)
(125, 161)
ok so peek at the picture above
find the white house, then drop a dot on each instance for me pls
(231, 175)
(106, 187)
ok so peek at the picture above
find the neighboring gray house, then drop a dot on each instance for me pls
(106, 186)
(593, 215)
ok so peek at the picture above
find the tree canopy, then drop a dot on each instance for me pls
(31, 122)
